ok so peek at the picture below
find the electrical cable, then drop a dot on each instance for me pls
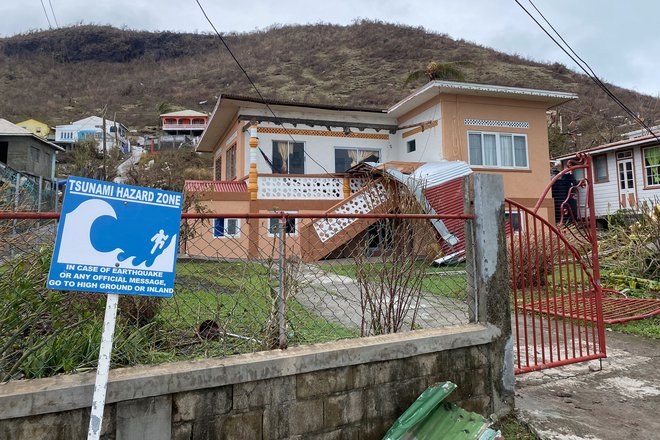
(53, 12)
(254, 86)
(587, 70)
(586, 65)
(50, 26)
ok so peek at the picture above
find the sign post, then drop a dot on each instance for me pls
(115, 239)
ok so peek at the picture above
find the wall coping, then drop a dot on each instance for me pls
(25, 398)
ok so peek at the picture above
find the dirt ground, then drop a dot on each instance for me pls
(585, 402)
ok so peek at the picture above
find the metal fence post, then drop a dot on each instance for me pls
(39, 193)
(282, 285)
(16, 200)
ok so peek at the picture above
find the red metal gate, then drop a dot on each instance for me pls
(555, 279)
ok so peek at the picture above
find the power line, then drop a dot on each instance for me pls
(254, 86)
(50, 26)
(584, 66)
(53, 12)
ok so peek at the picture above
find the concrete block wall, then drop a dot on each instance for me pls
(343, 390)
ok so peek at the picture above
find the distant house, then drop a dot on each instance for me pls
(181, 128)
(303, 159)
(26, 153)
(35, 127)
(625, 173)
(92, 128)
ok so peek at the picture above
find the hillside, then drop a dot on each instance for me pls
(64, 74)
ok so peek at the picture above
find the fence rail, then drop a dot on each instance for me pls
(244, 282)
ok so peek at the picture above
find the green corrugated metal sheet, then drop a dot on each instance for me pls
(430, 418)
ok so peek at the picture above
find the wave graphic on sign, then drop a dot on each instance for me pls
(76, 245)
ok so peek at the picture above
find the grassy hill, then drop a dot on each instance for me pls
(64, 74)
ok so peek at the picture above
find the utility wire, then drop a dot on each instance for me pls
(586, 65)
(50, 26)
(254, 86)
(585, 68)
(53, 12)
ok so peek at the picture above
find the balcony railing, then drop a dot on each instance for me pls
(184, 126)
(301, 187)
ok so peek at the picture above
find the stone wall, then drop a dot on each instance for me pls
(351, 389)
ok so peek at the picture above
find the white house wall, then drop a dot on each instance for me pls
(320, 148)
(428, 143)
(606, 194)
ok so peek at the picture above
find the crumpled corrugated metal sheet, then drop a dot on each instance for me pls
(429, 418)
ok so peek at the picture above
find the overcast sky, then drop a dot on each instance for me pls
(617, 38)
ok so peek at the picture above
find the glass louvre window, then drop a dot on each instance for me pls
(274, 226)
(411, 146)
(226, 227)
(506, 150)
(490, 149)
(217, 170)
(520, 151)
(600, 168)
(346, 158)
(652, 166)
(503, 150)
(230, 171)
(288, 157)
(475, 152)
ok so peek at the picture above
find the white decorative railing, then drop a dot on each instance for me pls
(357, 183)
(362, 203)
(300, 188)
(184, 126)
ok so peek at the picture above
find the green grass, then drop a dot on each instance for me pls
(568, 277)
(648, 328)
(435, 279)
(513, 429)
(237, 296)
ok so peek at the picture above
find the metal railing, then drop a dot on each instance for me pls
(244, 283)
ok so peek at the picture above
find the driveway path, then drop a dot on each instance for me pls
(582, 402)
(336, 298)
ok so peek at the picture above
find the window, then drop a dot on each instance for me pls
(34, 153)
(288, 157)
(410, 146)
(652, 166)
(226, 227)
(274, 226)
(230, 171)
(514, 218)
(4, 151)
(600, 168)
(503, 150)
(217, 170)
(346, 158)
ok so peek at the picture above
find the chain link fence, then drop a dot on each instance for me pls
(244, 283)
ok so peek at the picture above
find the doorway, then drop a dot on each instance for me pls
(626, 178)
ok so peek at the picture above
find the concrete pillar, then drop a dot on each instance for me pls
(489, 271)
(252, 176)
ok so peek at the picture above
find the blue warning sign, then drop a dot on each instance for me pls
(115, 238)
